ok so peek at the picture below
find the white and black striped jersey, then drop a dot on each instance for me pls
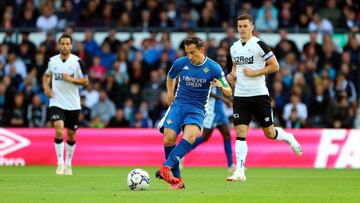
(65, 94)
(253, 54)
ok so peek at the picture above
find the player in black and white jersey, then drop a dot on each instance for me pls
(61, 81)
(252, 60)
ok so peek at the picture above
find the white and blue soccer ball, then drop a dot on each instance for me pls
(138, 179)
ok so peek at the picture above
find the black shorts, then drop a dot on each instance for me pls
(70, 118)
(258, 106)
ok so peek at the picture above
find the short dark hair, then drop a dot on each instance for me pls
(65, 36)
(194, 40)
(245, 16)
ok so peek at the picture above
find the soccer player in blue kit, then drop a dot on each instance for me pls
(195, 74)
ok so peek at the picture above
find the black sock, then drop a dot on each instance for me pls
(71, 143)
(276, 134)
(58, 141)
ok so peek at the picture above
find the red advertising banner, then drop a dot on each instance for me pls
(143, 147)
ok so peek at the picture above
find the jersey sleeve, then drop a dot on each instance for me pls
(220, 75)
(48, 70)
(265, 50)
(82, 71)
(175, 68)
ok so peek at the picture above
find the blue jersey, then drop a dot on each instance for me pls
(189, 105)
(194, 80)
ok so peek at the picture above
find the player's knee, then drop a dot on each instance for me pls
(269, 133)
(169, 140)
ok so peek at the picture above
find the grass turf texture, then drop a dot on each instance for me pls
(108, 184)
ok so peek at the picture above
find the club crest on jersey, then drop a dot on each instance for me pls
(169, 121)
(186, 68)
(206, 70)
(240, 60)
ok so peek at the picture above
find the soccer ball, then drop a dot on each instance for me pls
(138, 179)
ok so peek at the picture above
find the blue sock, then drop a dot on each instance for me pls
(177, 153)
(198, 141)
(175, 170)
(228, 151)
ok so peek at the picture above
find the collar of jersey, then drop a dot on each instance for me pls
(201, 63)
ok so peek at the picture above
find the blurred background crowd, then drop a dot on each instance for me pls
(318, 85)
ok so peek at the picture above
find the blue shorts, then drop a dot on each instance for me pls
(213, 119)
(177, 116)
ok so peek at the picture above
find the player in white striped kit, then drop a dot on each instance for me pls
(61, 82)
(252, 60)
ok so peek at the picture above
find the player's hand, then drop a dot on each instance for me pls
(48, 92)
(231, 78)
(67, 77)
(250, 72)
(169, 99)
(216, 83)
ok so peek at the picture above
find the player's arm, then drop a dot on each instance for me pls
(82, 78)
(171, 80)
(78, 81)
(223, 85)
(231, 77)
(170, 90)
(272, 66)
(46, 82)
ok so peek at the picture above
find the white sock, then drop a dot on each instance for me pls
(281, 134)
(241, 152)
(59, 148)
(69, 153)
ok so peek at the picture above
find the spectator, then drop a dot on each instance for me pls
(267, 23)
(103, 110)
(17, 64)
(301, 110)
(90, 44)
(152, 90)
(47, 21)
(36, 113)
(333, 13)
(97, 71)
(339, 114)
(112, 41)
(67, 15)
(118, 121)
(318, 107)
(140, 121)
(91, 95)
(320, 24)
(17, 114)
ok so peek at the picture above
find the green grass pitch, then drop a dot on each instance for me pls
(108, 184)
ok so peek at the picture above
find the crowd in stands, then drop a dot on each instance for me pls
(318, 85)
(269, 15)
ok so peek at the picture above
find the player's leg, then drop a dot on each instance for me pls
(169, 140)
(277, 133)
(241, 150)
(191, 131)
(72, 124)
(203, 138)
(57, 118)
(169, 126)
(264, 114)
(225, 132)
(242, 117)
